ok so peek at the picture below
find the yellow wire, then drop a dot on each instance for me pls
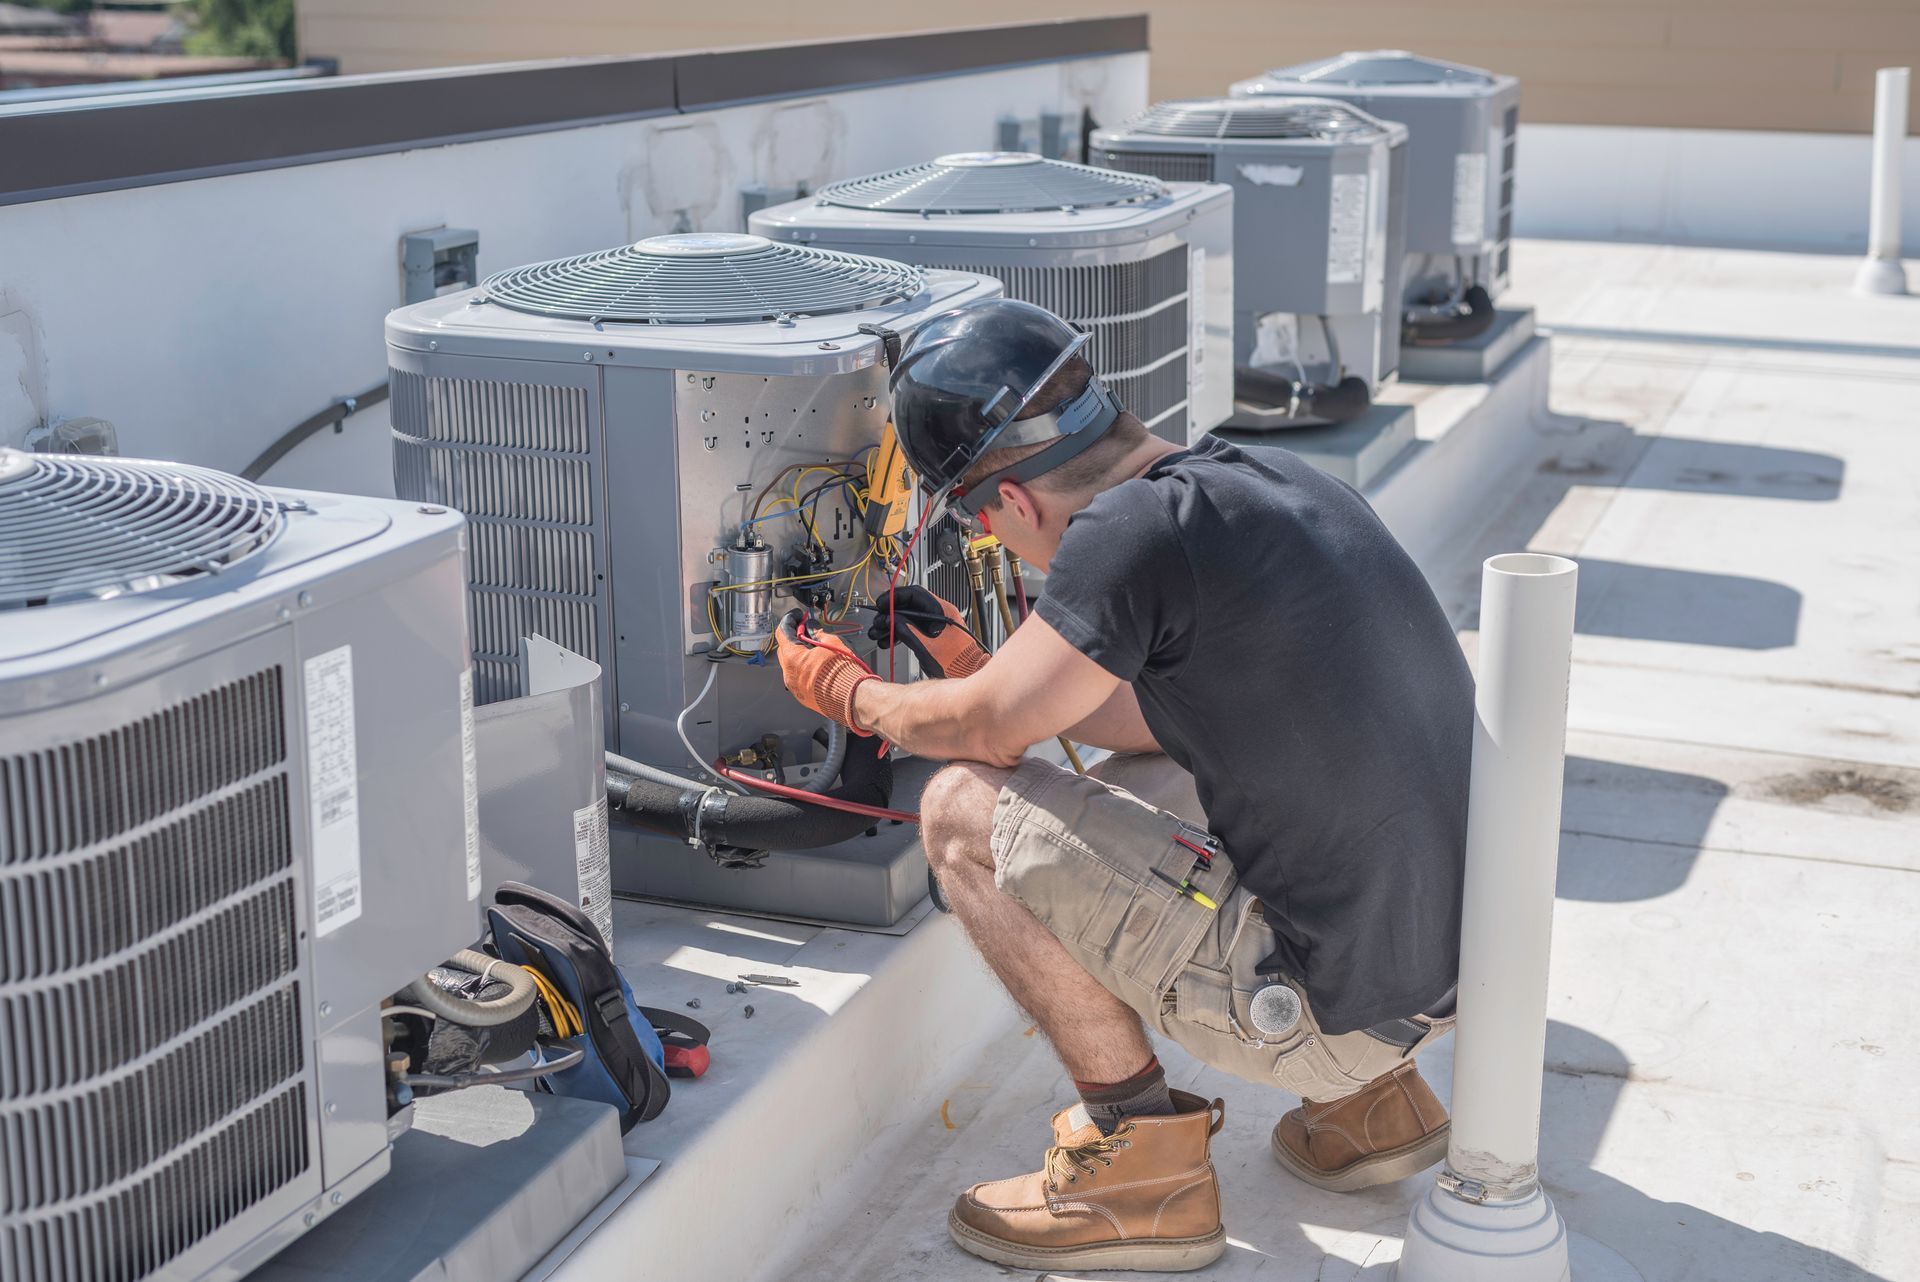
(796, 578)
(561, 1012)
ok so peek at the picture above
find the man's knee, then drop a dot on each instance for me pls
(956, 813)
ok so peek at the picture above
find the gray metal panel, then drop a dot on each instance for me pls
(409, 656)
(542, 763)
(353, 1095)
(686, 453)
(1395, 252)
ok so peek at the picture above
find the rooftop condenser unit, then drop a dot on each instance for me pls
(1461, 124)
(235, 815)
(1145, 267)
(1318, 221)
(661, 448)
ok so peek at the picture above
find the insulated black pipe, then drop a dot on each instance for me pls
(1305, 404)
(756, 822)
(1470, 318)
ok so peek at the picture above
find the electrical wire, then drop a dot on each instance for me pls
(400, 1008)
(680, 724)
(561, 1013)
(831, 803)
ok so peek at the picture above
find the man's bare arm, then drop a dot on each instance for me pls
(1036, 687)
(1116, 724)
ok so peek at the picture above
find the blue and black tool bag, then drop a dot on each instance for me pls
(625, 1063)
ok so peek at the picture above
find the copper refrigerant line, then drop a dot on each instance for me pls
(983, 560)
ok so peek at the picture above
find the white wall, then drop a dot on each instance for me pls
(203, 319)
(1703, 186)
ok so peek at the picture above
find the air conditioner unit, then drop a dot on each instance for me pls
(1318, 224)
(1144, 267)
(1461, 123)
(624, 431)
(235, 815)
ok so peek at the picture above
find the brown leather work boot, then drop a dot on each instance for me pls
(1387, 1131)
(1142, 1198)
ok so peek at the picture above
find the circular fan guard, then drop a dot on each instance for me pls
(703, 278)
(74, 527)
(992, 182)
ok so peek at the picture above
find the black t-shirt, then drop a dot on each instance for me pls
(1288, 652)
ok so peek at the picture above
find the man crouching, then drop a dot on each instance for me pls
(1267, 870)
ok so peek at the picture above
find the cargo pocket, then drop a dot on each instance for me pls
(1310, 1070)
(1144, 929)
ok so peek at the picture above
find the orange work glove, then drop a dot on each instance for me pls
(819, 670)
(930, 627)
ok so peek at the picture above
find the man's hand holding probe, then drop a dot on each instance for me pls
(1039, 686)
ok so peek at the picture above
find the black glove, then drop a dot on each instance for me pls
(933, 629)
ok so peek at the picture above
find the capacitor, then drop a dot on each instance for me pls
(749, 609)
(1274, 1010)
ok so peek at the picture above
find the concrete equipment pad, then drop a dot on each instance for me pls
(484, 1187)
(1474, 361)
(1355, 452)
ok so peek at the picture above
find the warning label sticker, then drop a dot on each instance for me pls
(1469, 197)
(1347, 229)
(594, 866)
(333, 789)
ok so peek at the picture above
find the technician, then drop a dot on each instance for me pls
(1267, 871)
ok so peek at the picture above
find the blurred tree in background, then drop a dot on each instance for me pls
(58, 6)
(238, 28)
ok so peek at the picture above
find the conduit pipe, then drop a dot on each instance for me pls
(1882, 272)
(1487, 1218)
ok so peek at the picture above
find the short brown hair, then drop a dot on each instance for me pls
(1089, 467)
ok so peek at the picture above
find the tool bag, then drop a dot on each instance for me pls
(625, 1063)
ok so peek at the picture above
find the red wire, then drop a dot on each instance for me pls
(831, 803)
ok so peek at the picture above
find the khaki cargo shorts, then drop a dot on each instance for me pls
(1078, 852)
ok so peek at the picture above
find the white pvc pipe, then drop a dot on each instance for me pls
(1486, 1218)
(1513, 842)
(1882, 272)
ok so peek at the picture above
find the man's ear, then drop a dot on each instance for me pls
(1020, 499)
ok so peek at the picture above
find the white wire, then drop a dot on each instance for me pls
(399, 1009)
(680, 724)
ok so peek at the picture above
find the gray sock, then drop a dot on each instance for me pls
(1145, 1094)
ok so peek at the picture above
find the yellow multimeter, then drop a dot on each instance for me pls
(890, 483)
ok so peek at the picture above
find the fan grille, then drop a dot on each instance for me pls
(991, 182)
(703, 278)
(1319, 119)
(73, 526)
